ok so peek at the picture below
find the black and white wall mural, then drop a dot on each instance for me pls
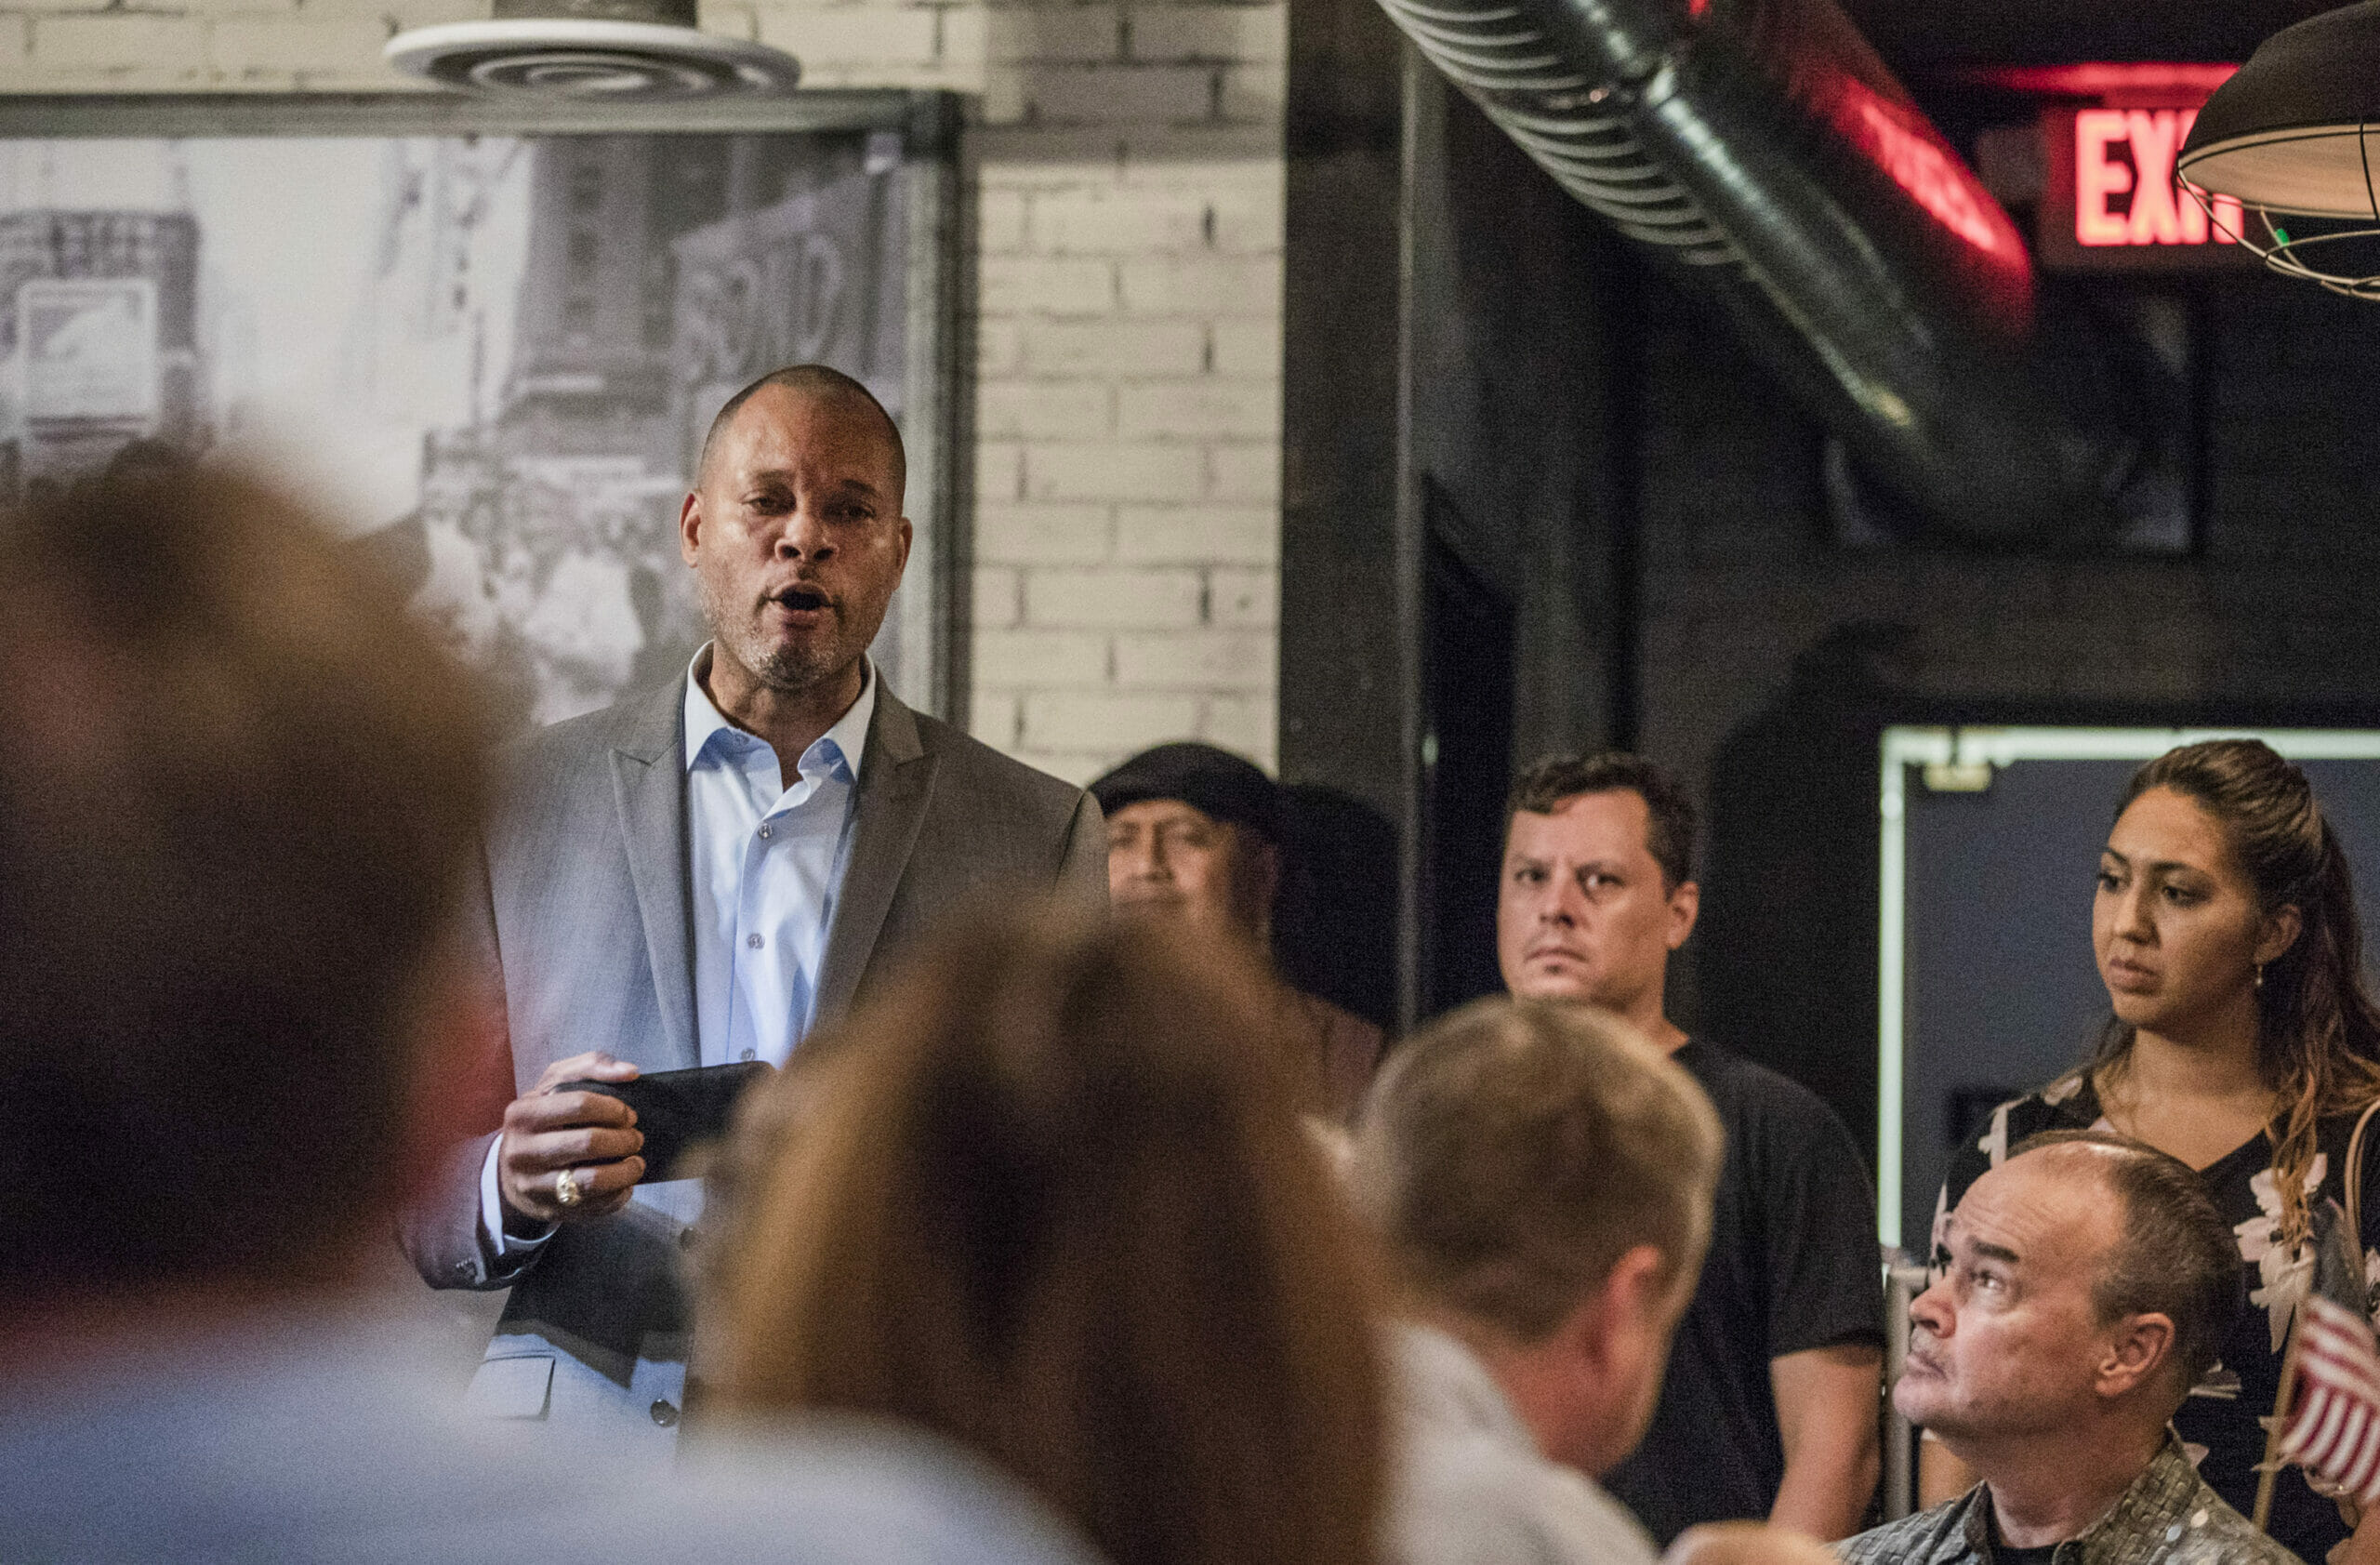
(490, 358)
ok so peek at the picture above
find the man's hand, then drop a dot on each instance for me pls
(592, 1136)
(2363, 1546)
(1746, 1542)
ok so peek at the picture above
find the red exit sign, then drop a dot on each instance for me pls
(2109, 203)
(2125, 193)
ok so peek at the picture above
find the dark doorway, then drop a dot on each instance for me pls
(1468, 636)
(1334, 921)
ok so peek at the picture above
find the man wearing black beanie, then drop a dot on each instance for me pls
(1194, 833)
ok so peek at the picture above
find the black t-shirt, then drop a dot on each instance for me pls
(2218, 1424)
(1793, 1265)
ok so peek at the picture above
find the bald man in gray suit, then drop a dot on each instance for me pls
(698, 876)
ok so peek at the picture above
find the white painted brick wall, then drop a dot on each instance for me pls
(1089, 722)
(1091, 468)
(1113, 597)
(1125, 163)
(1128, 180)
(1044, 535)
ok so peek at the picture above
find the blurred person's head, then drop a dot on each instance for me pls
(1192, 834)
(1048, 1196)
(794, 528)
(1597, 887)
(1543, 1179)
(238, 794)
(2225, 904)
(2088, 1283)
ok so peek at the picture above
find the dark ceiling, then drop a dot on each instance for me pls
(1922, 36)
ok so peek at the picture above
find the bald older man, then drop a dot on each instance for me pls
(2088, 1283)
(697, 877)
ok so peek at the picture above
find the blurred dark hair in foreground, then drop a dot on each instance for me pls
(238, 788)
(1048, 1196)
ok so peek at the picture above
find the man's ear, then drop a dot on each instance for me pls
(1686, 906)
(690, 527)
(2141, 1349)
(1607, 1329)
(1590, 1371)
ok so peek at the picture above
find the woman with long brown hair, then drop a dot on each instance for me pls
(2243, 1041)
(1050, 1198)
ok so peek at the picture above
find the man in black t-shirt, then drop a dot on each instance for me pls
(1769, 1407)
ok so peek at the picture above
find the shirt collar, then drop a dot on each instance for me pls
(1442, 1384)
(848, 736)
(2165, 1492)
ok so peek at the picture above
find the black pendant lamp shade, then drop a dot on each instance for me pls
(2294, 130)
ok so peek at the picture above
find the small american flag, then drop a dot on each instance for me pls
(2333, 1430)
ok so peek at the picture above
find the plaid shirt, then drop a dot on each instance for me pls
(2168, 1517)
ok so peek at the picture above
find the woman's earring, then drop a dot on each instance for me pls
(2260, 974)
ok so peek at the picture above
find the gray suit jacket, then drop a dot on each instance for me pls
(588, 921)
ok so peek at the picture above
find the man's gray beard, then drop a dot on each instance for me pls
(786, 670)
(789, 672)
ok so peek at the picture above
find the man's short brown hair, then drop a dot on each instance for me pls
(1512, 1152)
(1669, 808)
(238, 791)
(2174, 1254)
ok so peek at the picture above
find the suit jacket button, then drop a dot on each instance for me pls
(664, 1413)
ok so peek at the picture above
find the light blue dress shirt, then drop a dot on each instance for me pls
(767, 862)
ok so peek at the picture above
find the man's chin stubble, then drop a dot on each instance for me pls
(782, 670)
(795, 671)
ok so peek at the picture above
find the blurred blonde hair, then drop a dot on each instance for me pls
(1048, 1196)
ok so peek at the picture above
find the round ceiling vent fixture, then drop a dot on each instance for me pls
(601, 53)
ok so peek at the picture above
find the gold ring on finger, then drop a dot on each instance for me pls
(566, 1189)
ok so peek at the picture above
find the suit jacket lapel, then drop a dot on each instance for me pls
(649, 787)
(895, 783)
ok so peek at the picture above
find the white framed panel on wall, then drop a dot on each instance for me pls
(485, 339)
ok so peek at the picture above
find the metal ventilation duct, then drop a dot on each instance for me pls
(1763, 150)
(612, 51)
